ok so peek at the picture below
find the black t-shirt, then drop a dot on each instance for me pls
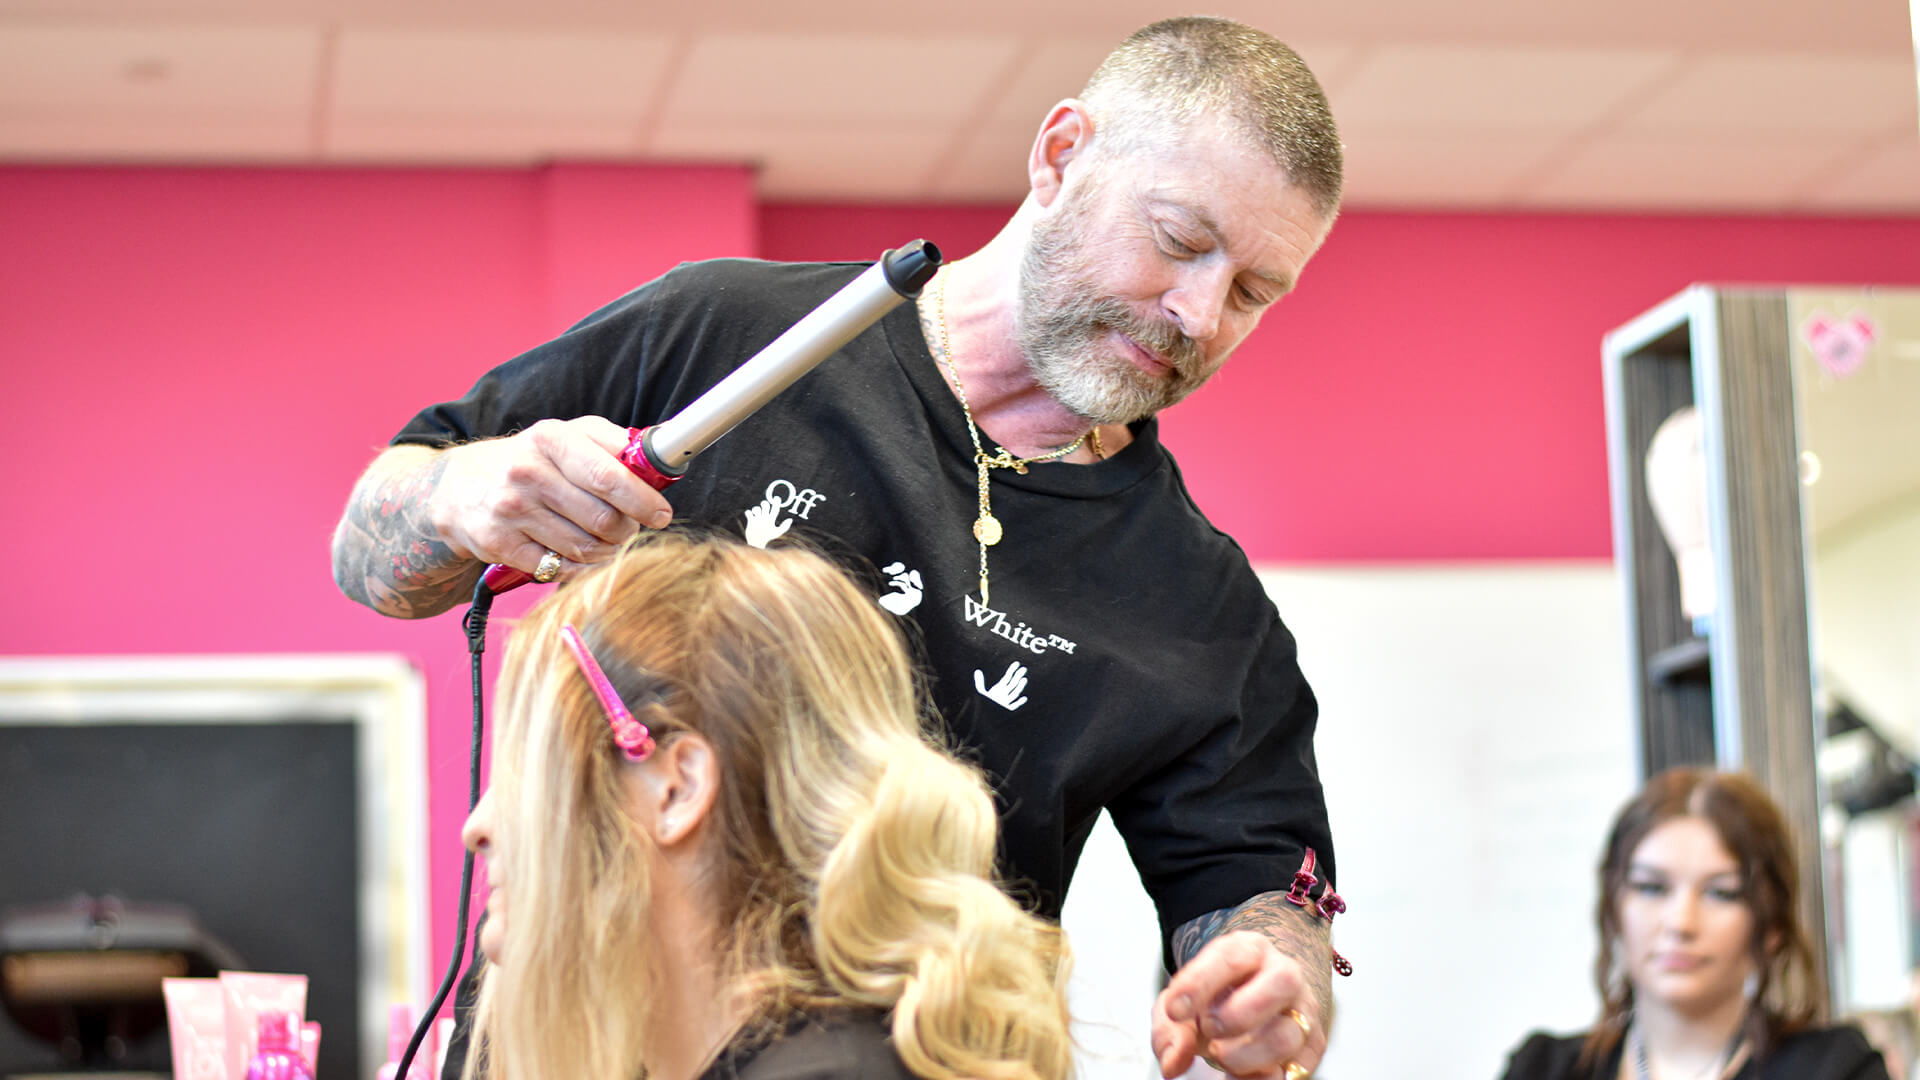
(854, 1045)
(1159, 682)
(1836, 1053)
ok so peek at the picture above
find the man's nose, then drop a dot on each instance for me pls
(1197, 300)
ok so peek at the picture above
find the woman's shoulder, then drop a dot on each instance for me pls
(842, 1045)
(1542, 1056)
(1828, 1053)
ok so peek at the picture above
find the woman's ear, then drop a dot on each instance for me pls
(675, 788)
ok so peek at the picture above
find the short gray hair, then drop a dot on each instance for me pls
(1177, 71)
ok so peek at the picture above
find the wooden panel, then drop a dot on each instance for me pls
(1765, 613)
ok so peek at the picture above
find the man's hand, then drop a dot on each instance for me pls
(421, 523)
(557, 486)
(1244, 1006)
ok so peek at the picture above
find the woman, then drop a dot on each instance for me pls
(719, 845)
(1704, 970)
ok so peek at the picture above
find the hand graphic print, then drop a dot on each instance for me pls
(909, 586)
(1010, 692)
(761, 529)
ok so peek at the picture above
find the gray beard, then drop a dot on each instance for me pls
(1063, 322)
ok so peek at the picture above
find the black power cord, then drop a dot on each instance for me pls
(475, 624)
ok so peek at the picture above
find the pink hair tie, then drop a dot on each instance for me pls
(629, 734)
(1327, 906)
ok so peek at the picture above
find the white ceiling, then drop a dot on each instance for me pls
(1643, 105)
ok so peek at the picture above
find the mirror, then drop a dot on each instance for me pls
(1856, 368)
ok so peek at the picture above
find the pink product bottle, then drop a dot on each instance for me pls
(399, 1034)
(278, 1056)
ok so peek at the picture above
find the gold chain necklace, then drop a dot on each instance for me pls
(986, 527)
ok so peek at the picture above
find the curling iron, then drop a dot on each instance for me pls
(659, 454)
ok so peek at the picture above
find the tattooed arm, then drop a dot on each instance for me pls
(386, 552)
(1296, 933)
(423, 523)
(1253, 993)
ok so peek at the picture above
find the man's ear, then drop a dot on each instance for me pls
(1064, 136)
(676, 788)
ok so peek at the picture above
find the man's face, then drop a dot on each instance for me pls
(1147, 271)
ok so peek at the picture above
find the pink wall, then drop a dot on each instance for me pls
(197, 363)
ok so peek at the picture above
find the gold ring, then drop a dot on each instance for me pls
(1306, 1028)
(549, 567)
(1297, 1071)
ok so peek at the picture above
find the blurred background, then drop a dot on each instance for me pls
(242, 241)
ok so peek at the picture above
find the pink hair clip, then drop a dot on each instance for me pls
(629, 734)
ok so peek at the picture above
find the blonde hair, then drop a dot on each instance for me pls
(852, 857)
(1168, 76)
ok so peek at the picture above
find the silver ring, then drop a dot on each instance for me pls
(549, 567)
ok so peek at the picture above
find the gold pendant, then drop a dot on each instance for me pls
(987, 529)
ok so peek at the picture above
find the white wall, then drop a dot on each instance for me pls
(1474, 743)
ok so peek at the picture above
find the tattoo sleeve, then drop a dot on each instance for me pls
(386, 552)
(1293, 930)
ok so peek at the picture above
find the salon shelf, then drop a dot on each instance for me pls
(1688, 662)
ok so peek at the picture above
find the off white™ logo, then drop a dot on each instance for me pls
(764, 524)
(1020, 634)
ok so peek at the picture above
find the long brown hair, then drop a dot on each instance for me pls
(852, 858)
(1790, 994)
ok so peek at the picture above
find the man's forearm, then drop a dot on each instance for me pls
(386, 552)
(1295, 931)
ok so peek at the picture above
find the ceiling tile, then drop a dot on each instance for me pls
(810, 161)
(1456, 105)
(1439, 170)
(1885, 179)
(180, 137)
(1691, 174)
(1413, 88)
(1048, 72)
(824, 78)
(445, 138)
(158, 67)
(471, 72)
(990, 165)
(1780, 93)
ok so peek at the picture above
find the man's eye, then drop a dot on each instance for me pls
(1174, 245)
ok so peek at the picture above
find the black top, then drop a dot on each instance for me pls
(1835, 1053)
(841, 1046)
(1159, 682)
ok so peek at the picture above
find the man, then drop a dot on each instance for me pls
(1091, 640)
